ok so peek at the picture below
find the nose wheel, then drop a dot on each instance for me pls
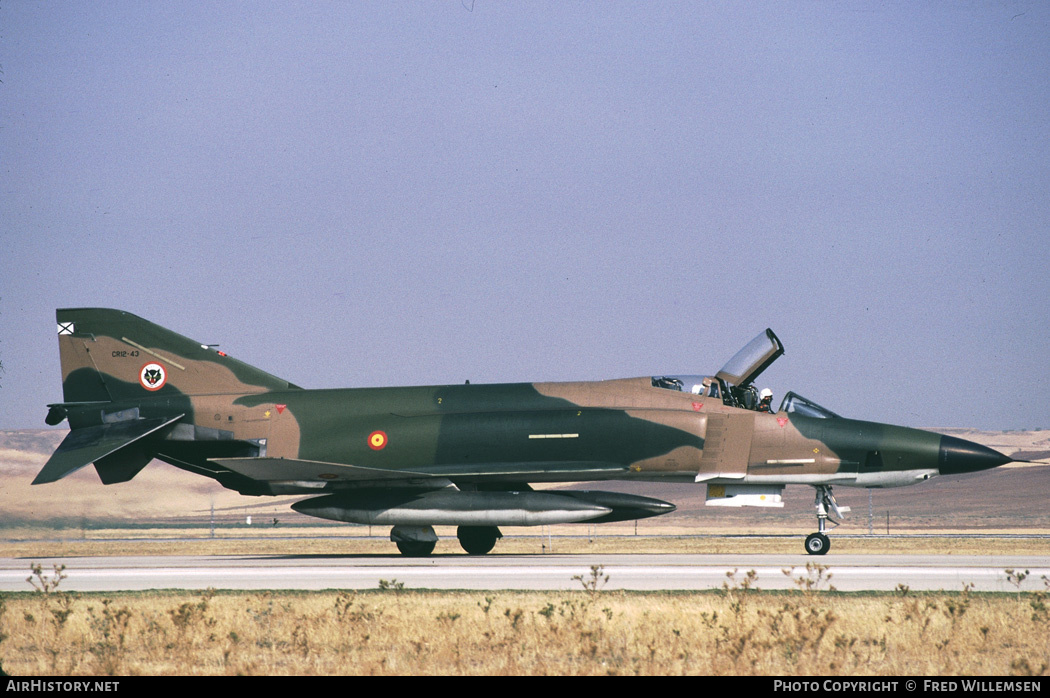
(818, 543)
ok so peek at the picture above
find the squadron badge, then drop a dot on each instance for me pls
(153, 376)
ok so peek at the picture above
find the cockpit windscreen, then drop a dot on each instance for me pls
(796, 404)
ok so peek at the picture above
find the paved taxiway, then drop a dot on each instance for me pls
(541, 572)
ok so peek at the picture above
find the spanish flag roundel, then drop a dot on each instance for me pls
(377, 440)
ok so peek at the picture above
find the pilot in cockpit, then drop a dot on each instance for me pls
(765, 404)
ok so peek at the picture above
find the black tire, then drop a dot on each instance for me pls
(817, 544)
(415, 548)
(478, 540)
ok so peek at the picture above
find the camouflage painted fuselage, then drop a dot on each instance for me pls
(134, 391)
(500, 433)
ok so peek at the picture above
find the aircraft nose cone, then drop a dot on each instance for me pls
(960, 456)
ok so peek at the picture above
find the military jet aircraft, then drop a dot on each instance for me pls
(465, 455)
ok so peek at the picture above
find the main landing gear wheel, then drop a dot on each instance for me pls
(817, 544)
(478, 540)
(414, 541)
(415, 548)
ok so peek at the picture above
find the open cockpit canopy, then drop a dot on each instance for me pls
(732, 384)
(748, 363)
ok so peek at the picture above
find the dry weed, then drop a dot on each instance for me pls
(737, 630)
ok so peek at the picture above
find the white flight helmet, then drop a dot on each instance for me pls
(766, 392)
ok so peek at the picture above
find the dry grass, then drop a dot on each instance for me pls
(397, 631)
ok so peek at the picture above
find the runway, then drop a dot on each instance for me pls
(529, 572)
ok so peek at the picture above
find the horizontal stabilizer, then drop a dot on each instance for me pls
(287, 469)
(90, 444)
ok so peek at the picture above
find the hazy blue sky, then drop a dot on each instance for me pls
(392, 193)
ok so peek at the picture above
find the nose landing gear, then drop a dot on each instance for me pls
(818, 543)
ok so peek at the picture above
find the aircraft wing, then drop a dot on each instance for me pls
(89, 444)
(288, 469)
(284, 469)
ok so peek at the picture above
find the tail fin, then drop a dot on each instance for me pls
(110, 355)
